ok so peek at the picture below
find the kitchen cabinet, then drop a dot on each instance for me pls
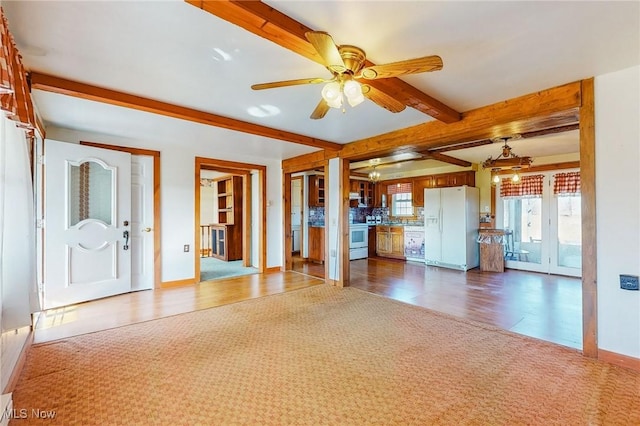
(444, 180)
(417, 189)
(316, 191)
(372, 241)
(225, 243)
(390, 241)
(316, 244)
(365, 190)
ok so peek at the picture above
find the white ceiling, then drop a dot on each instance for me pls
(174, 52)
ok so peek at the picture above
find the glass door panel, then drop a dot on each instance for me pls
(566, 232)
(523, 225)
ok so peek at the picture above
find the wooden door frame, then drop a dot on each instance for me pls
(157, 224)
(301, 179)
(304, 166)
(243, 169)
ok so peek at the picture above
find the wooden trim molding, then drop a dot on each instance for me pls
(49, 83)
(547, 108)
(157, 210)
(178, 283)
(619, 360)
(545, 168)
(589, 232)
(273, 269)
(238, 168)
(287, 245)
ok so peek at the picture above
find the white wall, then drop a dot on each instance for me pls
(617, 109)
(17, 247)
(332, 217)
(178, 201)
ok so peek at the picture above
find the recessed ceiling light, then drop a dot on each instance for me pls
(263, 110)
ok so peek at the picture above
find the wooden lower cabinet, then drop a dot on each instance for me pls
(316, 244)
(390, 241)
(372, 241)
(226, 242)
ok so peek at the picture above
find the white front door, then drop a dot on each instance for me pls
(87, 223)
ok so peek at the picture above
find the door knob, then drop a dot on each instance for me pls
(146, 230)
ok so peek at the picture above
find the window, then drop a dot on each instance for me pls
(401, 204)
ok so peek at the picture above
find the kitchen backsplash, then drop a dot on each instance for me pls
(316, 215)
(360, 214)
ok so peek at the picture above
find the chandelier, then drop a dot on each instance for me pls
(335, 92)
(506, 160)
(374, 175)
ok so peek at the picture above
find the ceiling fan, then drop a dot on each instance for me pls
(346, 64)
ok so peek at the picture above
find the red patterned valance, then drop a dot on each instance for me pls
(529, 187)
(566, 183)
(399, 188)
(15, 97)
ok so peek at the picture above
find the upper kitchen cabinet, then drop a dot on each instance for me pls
(443, 180)
(316, 191)
(365, 191)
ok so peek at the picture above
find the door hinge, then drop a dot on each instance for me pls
(40, 159)
(40, 223)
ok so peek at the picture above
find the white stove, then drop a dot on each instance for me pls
(358, 241)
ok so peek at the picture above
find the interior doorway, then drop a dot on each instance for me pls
(305, 238)
(230, 214)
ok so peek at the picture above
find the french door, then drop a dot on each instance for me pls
(544, 232)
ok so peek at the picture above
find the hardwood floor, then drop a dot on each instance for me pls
(546, 307)
(147, 305)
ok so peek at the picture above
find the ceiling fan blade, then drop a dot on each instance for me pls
(382, 99)
(327, 49)
(321, 110)
(284, 83)
(395, 69)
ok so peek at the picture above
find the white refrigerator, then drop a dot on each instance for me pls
(451, 222)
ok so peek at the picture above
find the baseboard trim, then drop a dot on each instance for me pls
(273, 269)
(178, 283)
(22, 359)
(619, 360)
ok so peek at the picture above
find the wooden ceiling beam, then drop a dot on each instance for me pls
(59, 85)
(548, 108)
(447, 159)
(267, 22)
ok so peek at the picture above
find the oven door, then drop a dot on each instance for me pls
(359, 237)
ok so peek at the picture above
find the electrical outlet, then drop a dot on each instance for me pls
(186, 248)
(629, 282)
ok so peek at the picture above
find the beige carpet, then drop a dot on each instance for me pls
(317, 356)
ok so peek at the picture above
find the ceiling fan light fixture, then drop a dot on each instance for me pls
(332, 94)
(353, 92)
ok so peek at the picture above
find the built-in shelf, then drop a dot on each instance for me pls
(226, 238)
